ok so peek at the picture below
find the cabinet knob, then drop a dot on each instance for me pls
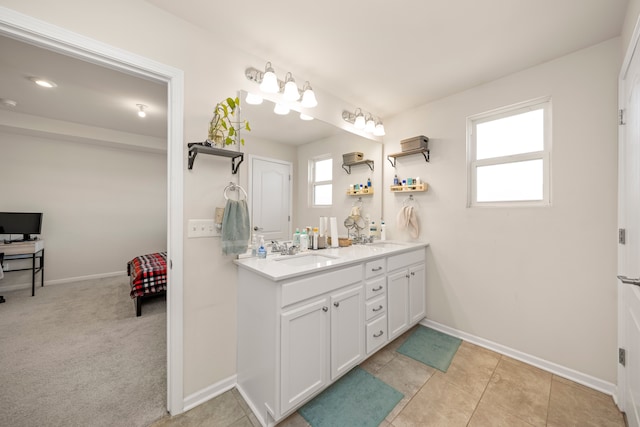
(336, 304)
(325, 309)
(378, 335)
(407, 276)
(413, 273)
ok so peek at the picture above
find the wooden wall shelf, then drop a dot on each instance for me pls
(423, 186)
(199, 147)
(368, 192)
(423, 151)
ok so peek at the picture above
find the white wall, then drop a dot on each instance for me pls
(538, 280)
(342, 203)
(102, 206)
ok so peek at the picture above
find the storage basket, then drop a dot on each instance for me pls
(356, 156)
(415, 143)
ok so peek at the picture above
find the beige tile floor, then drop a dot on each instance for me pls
(480, 388)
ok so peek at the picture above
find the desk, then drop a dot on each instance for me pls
(26, 250)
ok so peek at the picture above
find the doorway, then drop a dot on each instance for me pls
(36, 32)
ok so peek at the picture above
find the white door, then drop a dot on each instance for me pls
(629, 251)
(304, 352)
(347, 331)
(398, 305)
(271, 198)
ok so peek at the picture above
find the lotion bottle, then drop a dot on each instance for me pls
(304, 241)
(383, 231)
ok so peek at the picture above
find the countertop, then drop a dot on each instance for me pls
(278, 267)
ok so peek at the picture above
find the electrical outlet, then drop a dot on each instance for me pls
(202, 228)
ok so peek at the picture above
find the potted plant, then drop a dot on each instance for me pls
(224, 125)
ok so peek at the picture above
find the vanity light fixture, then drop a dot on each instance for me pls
(370, 124)
(253, 99)
(281, 109)
(269, 82)
(141, 112)
(43, 82)
(308, 96)
(291, 92)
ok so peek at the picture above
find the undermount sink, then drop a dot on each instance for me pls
(306, 258)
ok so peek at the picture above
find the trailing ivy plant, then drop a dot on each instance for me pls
(225, 126)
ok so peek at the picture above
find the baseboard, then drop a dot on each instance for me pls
(209, 393)
(562, 371)
(19, 286)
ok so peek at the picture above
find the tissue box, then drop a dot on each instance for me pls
(356, 156)
(414, 143)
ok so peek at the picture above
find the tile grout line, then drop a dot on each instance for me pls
(484, 391)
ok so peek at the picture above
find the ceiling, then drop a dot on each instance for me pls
(383, 56)
(388, 56)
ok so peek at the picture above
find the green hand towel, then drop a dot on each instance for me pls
(235, 227)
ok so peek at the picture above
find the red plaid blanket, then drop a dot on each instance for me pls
(148, 274)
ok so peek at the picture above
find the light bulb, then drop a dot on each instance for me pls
(269, 80)
(141, 112)
(359, 123)
(281, 109)
(253, 99)
(379, 130)
(291, 92)
(370, 126)
(308, 97)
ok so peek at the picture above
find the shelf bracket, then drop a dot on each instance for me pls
(367, 162)
(199, 147)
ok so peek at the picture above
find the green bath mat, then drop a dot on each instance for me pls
(430, 347)
(356, 400)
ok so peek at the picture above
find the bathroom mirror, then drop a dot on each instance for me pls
(287, 138)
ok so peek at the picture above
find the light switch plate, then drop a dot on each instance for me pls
(202, 228)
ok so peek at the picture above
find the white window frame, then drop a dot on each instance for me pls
(313, 182)
(544, 155)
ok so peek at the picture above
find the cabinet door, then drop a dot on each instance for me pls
(304, 352)
(347, 330)
(417, 294)
(398, 302)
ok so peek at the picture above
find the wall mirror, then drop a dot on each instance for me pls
(288, 138)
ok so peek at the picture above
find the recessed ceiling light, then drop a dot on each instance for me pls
(43, 82)
(5, 102)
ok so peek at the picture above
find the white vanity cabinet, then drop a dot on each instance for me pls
(405, 291)
(299, 332)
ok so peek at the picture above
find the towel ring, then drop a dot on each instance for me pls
(357, 203)
(234, 187)
(408, 201)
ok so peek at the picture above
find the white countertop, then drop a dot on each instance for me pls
(279, 267)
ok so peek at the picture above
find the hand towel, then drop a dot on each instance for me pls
(407, 219)
(236, 228)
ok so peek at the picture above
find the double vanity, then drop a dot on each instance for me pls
(305, 320)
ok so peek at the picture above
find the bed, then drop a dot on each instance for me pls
(148, 277)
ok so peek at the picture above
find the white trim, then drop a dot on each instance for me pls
(40, 33)
(25, 285)
(561, 371)
(208, 393)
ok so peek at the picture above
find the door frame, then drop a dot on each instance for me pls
(620, 396)
(252, 158)
(40, 33)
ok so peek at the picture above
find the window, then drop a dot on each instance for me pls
(509, 155)
(321, 174)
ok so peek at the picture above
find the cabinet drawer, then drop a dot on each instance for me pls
(376, 334)
(398, 261)
(376, 306)
(375, 287)
(374, 268)
(318, 284)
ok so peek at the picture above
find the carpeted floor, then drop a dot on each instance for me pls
(76, 355)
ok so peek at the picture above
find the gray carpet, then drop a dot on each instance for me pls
(76, 355)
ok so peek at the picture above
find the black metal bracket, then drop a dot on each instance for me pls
(204, 148)
(363, 162)
(425, 153)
